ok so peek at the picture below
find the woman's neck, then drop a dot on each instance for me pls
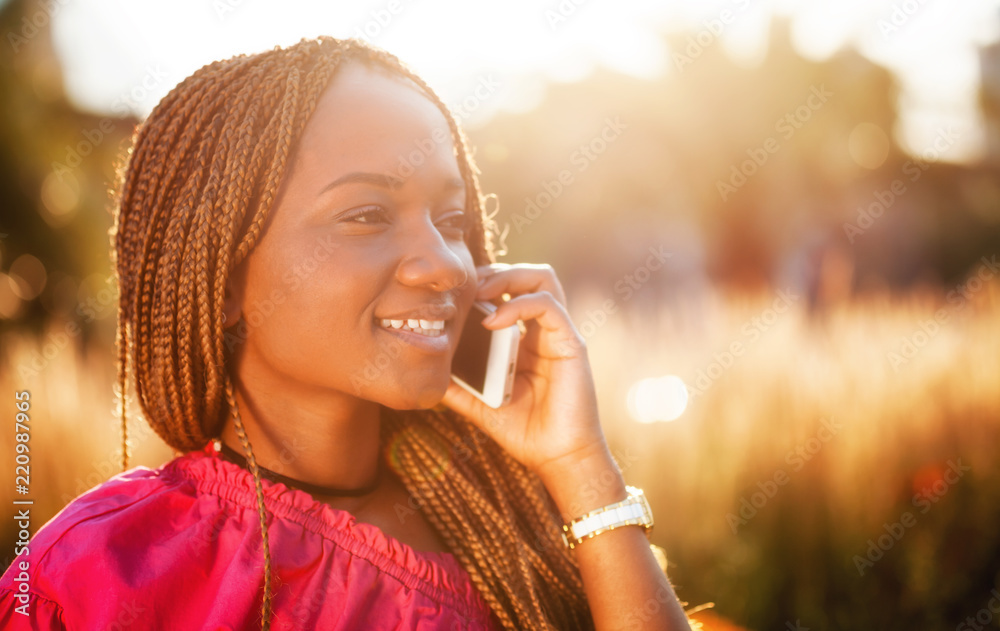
(332, 443)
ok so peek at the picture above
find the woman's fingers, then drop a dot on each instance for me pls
(521, 278)
(541, 312)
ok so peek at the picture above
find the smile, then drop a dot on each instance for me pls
(430, 328)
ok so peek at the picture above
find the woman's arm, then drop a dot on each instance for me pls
(551, 426)
(625, 586)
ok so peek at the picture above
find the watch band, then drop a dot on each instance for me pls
(632, 511)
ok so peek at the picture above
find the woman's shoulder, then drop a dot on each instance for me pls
(130, 506)
(99, 540)
(194, 520)
(143, 538)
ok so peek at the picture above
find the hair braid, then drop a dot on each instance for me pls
(265, 611)
(231, 184)
(509, 517)
(481, 560)
(537, 510)
(195, 194)
(460, 491)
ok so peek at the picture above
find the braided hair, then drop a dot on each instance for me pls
(194, 192)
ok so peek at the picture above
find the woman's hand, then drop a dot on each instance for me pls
(551, 419)
(551, 426)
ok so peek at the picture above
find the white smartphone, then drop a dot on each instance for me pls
(485, 360)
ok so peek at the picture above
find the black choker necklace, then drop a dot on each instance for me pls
(229, 454)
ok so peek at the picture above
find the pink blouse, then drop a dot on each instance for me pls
(179, 547)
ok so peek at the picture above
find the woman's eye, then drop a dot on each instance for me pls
(365, 216)
(455, 222)
(375, 215)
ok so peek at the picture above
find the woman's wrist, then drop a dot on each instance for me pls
(584, 482)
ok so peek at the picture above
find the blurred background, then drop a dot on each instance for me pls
(777, 223)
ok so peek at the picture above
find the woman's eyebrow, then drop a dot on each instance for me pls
(386, 181)
(378, 179)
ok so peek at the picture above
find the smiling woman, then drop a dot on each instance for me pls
(294, 277)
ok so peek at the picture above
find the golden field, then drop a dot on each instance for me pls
(837, 418)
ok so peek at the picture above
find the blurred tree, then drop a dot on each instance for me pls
(56, 170)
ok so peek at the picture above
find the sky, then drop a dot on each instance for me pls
(127, 54)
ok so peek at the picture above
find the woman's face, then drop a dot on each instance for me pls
(367, 225)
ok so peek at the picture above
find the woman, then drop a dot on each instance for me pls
(280, 216)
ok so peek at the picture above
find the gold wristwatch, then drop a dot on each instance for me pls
(632, 511)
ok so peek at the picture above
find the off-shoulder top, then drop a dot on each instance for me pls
(179, 547)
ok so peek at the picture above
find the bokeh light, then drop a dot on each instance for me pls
(27, 276)
(657, 399)
(869, 145)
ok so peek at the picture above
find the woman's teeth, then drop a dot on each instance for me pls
(432, 328)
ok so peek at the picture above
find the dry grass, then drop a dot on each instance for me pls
(793, 559)
(899, 426)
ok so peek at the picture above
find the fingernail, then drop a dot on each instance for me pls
(490, 318)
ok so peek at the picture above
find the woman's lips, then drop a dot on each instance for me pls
(439, 343)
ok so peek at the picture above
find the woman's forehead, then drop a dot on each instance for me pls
(361, 100)
(367, 119)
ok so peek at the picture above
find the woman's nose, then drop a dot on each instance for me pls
(430, 260)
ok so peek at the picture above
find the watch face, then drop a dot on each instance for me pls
(647, 511)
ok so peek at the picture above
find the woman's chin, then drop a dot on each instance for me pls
(423, 399)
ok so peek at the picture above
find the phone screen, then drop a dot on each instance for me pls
(469, 363)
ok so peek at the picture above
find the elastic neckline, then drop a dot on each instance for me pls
(438, 574)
